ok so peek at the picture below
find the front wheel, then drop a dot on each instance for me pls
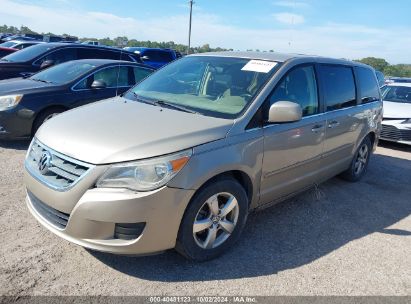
(213, 221)
(360, 161)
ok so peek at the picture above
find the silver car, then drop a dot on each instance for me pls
(181, 159)
(396, 125)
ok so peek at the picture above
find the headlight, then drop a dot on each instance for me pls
(408, 121)
(9, 101)
(145, 175)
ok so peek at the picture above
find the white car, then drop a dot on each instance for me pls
(396, 125)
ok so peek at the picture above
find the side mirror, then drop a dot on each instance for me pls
(98, 84)
(46, 64)
(285, 111)
(145, 58)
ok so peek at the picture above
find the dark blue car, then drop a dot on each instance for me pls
(155, 57)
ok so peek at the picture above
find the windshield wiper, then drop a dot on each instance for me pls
(41, 80)
(163, 103)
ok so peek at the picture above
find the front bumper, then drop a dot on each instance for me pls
(15, 124)
(396, 131)
(91, 223)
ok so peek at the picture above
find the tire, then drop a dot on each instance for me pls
(359, 162)
(43, 117)
(226, 226)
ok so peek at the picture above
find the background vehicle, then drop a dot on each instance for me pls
(41, 56)
(60, 88)
(91, 42)
(6, 51)
(398, 80)
(19, 44)
(396, 125)
(155, 57)
(180, 159)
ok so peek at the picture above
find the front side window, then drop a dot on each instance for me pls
(59, 56)
(368, 85)
(339, 87)
(113, 77)
(397, 94)
(214, 86)
(298, 86)
(140, 74)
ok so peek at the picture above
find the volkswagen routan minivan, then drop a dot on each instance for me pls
(180, 159)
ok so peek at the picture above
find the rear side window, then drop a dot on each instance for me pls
(95, 53)
(368, 85)
(162, 56)
(339, 87)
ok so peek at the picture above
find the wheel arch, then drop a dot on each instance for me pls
(42, 111)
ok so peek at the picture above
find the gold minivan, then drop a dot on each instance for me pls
(180, 159)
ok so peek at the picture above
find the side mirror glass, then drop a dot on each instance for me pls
(98, 84)
(46, 64)
(285, 111)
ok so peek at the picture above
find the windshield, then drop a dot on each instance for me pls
(8, 44)
(63, 73)
(215, 86)
(397, 94)
(27, 54)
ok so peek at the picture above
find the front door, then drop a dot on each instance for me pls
(292, 151)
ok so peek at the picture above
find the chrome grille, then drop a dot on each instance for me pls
(62, 172)
(393, 133)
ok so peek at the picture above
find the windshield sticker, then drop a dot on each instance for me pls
(259, 66)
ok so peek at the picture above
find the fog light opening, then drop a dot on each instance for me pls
(128, 231)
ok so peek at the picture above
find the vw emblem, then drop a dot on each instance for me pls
(44, 162)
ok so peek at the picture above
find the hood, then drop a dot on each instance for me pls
(20, 85)
(119, 130)
(397, 110)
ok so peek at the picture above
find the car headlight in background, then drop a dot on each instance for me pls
(144, 175)
(9, 101)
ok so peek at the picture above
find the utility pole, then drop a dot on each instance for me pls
(189, 26)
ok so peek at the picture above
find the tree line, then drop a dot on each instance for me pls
(397, 70)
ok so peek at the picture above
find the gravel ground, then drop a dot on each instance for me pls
(339, 239)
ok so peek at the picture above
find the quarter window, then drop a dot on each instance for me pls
(299, 86)
(368, 85)
(339, 87)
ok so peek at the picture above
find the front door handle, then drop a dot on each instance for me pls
(317, 128)
(333, 124)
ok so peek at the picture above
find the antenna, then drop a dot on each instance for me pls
(118, 71)
(191, 2)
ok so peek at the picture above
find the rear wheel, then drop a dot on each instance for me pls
(360, 161)
(213, 221)
(44, 116)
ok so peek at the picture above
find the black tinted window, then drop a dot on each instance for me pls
(59, 56)
(298, 86)
(368, 85)
(159, 55)
(339, 87)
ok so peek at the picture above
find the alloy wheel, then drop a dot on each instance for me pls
(216, 220)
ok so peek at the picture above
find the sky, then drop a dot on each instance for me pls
(349, 29)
